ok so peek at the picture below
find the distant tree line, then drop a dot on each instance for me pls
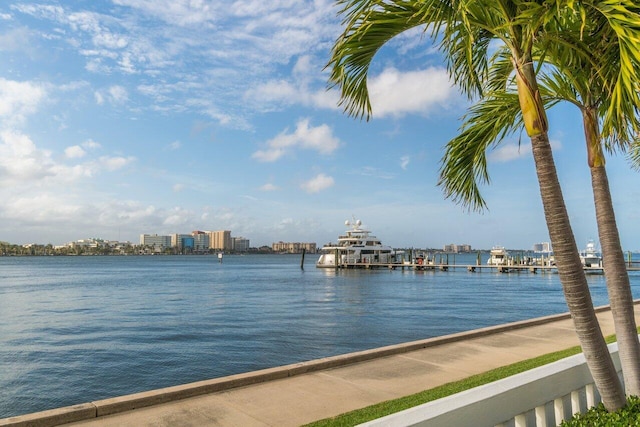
(11, 249)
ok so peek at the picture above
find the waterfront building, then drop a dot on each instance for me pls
(457, 248)
(542, 247)
(200, 241)
(220, 240)
(181, 241)
(159, 243)
(293, 247)
(240, 244)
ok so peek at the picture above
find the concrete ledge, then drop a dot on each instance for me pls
(154, 397)
(119, 404)
(53, 417)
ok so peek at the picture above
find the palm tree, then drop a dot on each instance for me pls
(585, 86)
(466, 29)
(579, 56)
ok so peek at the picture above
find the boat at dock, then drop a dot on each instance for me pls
(590, 257)
(356, 247)
(498, 256)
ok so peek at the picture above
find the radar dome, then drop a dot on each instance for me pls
(358, 223)
(346, 222)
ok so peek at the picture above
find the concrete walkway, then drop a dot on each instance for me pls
(296, 394)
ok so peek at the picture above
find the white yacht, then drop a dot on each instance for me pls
(357, 247)
(498, 256)
(590, 256)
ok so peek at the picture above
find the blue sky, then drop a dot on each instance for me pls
(125, 117)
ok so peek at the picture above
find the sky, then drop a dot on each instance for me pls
(128, 117)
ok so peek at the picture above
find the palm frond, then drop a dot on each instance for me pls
(464, 164)
(369, 24)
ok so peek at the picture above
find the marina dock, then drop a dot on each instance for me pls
(474, 268)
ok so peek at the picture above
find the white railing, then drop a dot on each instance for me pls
(541, 397)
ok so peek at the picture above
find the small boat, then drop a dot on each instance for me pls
(590, 257)
(422, 262)
(357, 247)
(498, 256)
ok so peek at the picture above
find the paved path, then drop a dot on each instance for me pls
(330, 386)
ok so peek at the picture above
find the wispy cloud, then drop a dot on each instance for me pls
(507, 152)
(318, 183)
(319, 138)
(404, 162)
(175, 145)
(255, 37)
(269, 187)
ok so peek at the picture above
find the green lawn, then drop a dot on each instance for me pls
(392, 406)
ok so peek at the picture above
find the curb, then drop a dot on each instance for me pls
(99, 408)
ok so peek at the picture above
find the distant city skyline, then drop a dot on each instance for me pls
(124, 117)
(540, 247)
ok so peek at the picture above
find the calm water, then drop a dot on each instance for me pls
(77, 329)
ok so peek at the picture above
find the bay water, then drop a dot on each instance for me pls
(77, 329)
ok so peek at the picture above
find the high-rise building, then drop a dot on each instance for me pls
(220, 240)
(182, 242)
(200, 241)
(158, 242)
(240, 244)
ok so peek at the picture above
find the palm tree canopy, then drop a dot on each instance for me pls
(464, 30)
(582, 56)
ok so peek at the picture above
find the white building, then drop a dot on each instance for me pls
(542, 247)
(159, 243)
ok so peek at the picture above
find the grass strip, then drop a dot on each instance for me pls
(382, 409)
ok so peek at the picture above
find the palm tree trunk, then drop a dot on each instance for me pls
(574, 282)
(617, 279)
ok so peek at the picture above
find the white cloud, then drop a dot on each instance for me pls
(404, 162)
(319, 138)
(177, 188)
(23, 165)
(91, 144)
(269, 187)
(318, 183)
(114, 163)
(118, 94)
(306, 86)
(15, 39)
(396, 93)
(21, 161)
(19, 99)
(74, 152)
(178, 217)
(507, 152)
(175, 145)
(179, 12)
